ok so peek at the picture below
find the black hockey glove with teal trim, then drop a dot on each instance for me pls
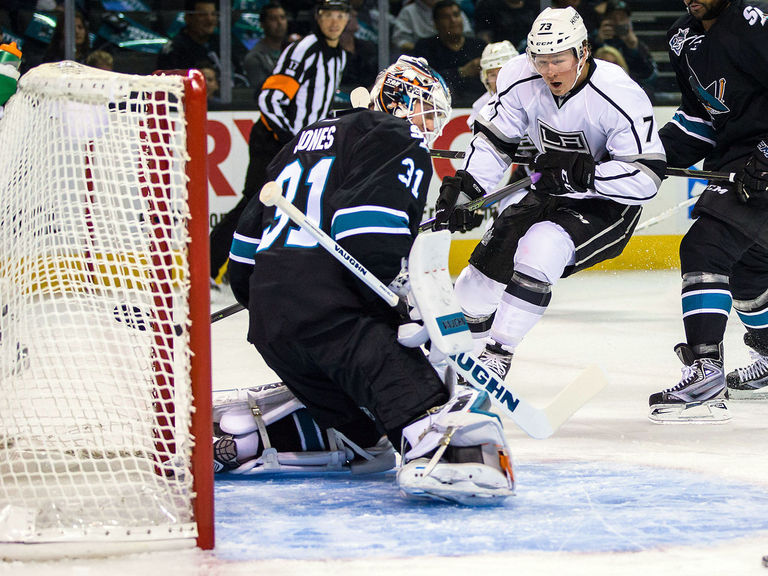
(752, 181)
(564, 172)
(458, 189)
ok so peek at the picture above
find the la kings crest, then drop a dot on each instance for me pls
(552, 139)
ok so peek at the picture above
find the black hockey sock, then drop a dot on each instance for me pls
(706, 303)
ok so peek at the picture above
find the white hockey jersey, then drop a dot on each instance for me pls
(608, 116)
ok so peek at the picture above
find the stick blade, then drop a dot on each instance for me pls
(585, 387)
(270, 192)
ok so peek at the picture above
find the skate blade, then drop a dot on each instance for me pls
(709, 412)
(754, 394)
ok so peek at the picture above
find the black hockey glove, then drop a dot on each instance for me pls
(463, 220)
(564, 172)
(458, 189)
(752, 181)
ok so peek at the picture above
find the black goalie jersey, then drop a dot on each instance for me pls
(363, 177)
(723, 77)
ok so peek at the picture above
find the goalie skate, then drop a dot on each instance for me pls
(457, 453)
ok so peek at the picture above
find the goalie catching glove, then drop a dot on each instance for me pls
(457, 190)
(564, 172)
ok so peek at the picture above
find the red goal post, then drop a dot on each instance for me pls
(105, 389)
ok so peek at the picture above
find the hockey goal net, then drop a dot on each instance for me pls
(104, 314)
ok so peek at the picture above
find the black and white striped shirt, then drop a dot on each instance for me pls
(300, 90)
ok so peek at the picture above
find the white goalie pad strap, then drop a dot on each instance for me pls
(412, 335)
(433, 296)
(463, 419)
(465, 429)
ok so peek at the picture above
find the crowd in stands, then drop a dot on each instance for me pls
(168, 34)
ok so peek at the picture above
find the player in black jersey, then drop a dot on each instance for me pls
(363, 176)
(719, 51)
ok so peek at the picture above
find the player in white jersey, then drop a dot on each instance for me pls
(600, 158)
(493, 58)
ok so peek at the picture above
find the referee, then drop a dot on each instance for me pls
(298, 93)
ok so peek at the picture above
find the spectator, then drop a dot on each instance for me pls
(299, 92)
(611, 54)
(367, 20)
(362, 57)
(455, 56)
(211, 76)
(414, 22)
(591, 13)
(55, 51)
(198, 41)
(261, 59)
(616, 30)
(100, 59)
(498, 20)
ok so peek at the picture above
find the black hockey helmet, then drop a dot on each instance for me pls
(342, 5)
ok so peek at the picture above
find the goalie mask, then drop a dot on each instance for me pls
(494, 56)
(410, 89)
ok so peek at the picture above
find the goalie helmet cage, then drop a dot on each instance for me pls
(105, 391)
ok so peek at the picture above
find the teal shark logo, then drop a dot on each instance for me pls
(712, 97)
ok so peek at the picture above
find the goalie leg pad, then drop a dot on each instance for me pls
(266, 429)
(457, 453)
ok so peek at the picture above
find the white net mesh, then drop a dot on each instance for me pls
(95, 397)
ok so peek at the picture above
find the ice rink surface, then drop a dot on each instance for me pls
(609, 494)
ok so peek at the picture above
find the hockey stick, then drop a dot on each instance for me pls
(538, 423)
(226, 312)
(666, 214)
(489, 199)
(272, 195)
(684, 172)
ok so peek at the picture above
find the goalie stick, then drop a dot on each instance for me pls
(483, 202)
(684, 172)
(538, 423)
